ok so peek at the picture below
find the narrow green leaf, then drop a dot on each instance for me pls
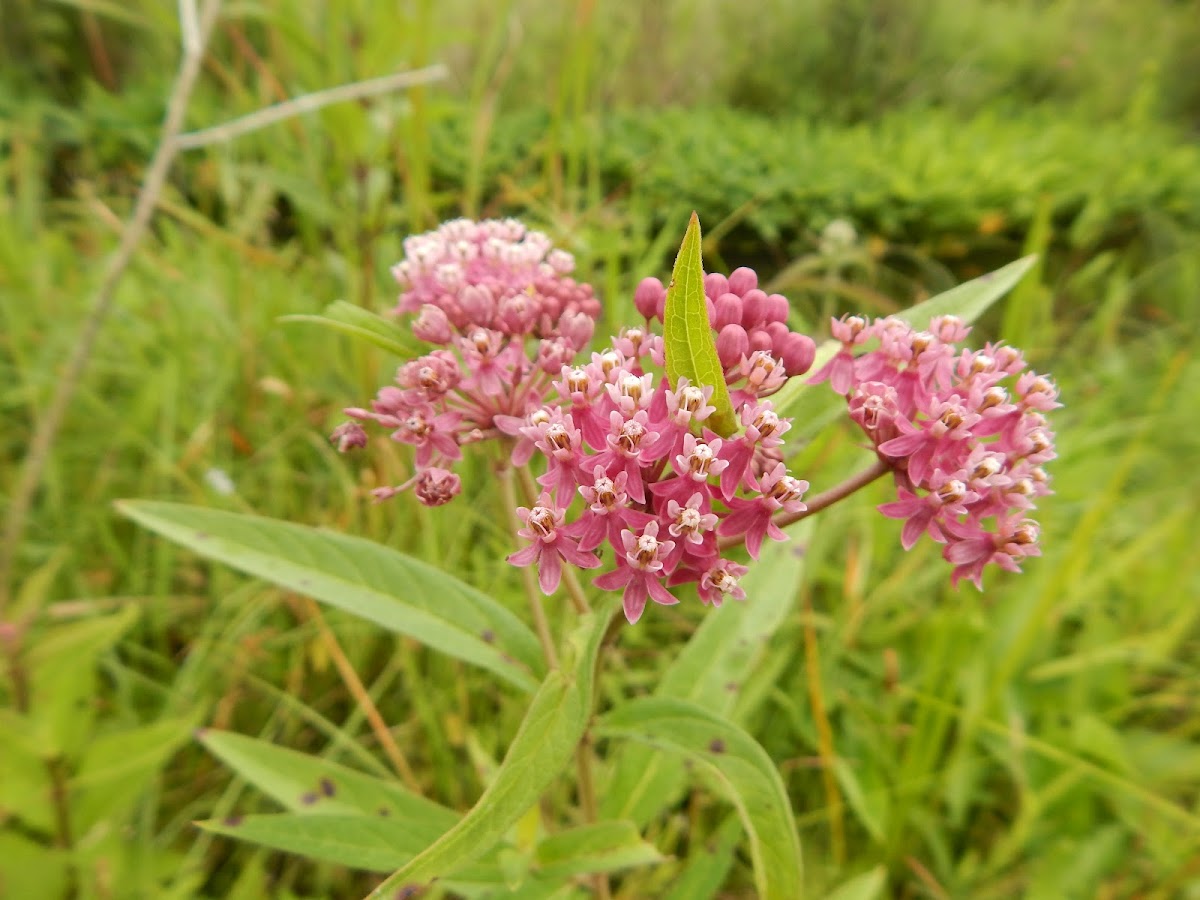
(541, 749)
(602, 847)
(971, 299)
(739, 765)
(867, 886)
(710, 669)
(313, 786)
(968, 301)
(374, 844)
(691, 350)
(706, 871)
(362, 323)
(361, 577)
(116, 768)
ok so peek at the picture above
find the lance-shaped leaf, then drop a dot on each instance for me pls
(541, 749)
(739, 765)
(307, 784)
(691, 349)
(727, 648)
(811, 404)
(359, 576)
(362, 323)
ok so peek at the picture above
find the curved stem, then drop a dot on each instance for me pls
(823, 500)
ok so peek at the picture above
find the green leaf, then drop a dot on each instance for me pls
(116, 768)
(541, 749)
(361, 577)
(362, 323)
(968, 301)
(374, 843)
(739, 765)
(866, 886)
(729, 645)
(706, 871)
(691, 351)
(313, 786)
(62, 677)
(602, 847)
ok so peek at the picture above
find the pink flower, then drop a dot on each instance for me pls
(608, 512)
(348, 435)
(971, 548)
(753, 517)
(550, 544)
(436, 486)
(639, 572)
(947, 496)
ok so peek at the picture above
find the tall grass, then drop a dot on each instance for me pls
(1033, 740)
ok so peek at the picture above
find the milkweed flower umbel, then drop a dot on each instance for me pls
(632, 472)
(964, 431)
(498, 303)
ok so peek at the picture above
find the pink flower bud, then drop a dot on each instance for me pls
(576, 329)
(715, 284)
(777, 308)
(798, 352)
(432, 325)
(650, 297)
(728, 311)
(742, 280)
(732, 345)
(754, 308)
(478, 304)
(760, 339)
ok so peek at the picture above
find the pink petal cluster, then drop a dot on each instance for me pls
(499, 303)
(964, 431)
(630, 454)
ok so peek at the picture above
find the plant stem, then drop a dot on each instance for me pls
(509, 490)
(587, 804)
(823, 500)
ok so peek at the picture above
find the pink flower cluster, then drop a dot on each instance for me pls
(755, 345)
(657, 486)
(499, 303)
(964, 431)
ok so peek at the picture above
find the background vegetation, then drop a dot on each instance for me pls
(1038, 739)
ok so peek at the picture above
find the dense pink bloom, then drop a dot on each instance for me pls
(964, 430)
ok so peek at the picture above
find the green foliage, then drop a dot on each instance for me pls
(1036, 741)
(360, 577)
(689, 347)
(744, 771)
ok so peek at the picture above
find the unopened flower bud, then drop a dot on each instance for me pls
(649, 298)
(727, 311)
(798, 353)
(742, 280)
(732, 345)
(715, 284)
(754, 308)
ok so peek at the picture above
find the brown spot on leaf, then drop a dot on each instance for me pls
(327, 787)
(717, 745)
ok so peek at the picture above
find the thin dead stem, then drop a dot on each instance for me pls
(361, 696)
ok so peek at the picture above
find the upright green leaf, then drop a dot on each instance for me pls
(704, 873)
(541, 749)
(361, 577)
(362, 323)
(691, 351)
(727, 647)
(739, 765)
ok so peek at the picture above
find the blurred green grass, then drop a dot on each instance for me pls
(1034, 740)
